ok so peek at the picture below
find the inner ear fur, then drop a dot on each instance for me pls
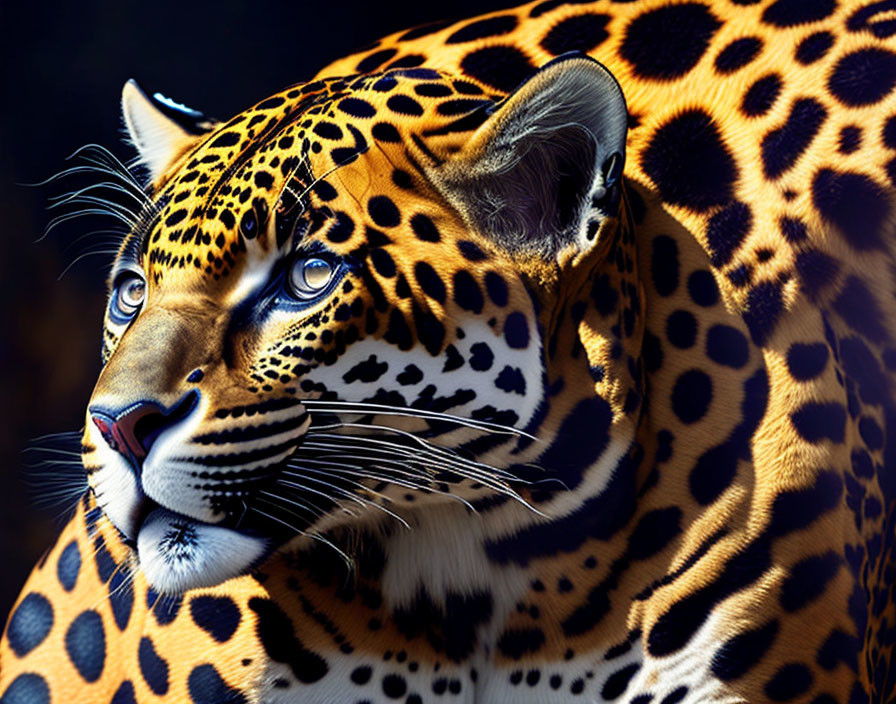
(528, 176)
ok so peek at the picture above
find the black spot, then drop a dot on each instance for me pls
(69, 566)
(27, 688)
(617, 683)
(328, 130)
(424, 228)
(481, 357)
(816, 422)
(216, 615)
(807, 361)
(738, 54)
(514, 643)
(516, 331)
(511, 380)
(29, 624)
(164, 608)
(740, 653)
(691, 395)
(681, 329)
(263, 179)
(384, 132)
(862, 367)
(356, 107)
(797, 508)
(789, 13)
(813, 47)
(816, 269)
(702, 288)
(467, 293)
(207, 687)
(124, 694)
(793, 230)
(227, 139)
(863, 77)
(654, 531)
(726, 345)
(121, 598)
(410, 375)
(577, 33)
(480, 29)
(765, 303)
(860, 310)
(432, 90)
(760, 97)
(382, 262)
(496, 288)
(871, 433)
(394, 686)
(502, 67)
(429, 281)
(726, 232)
(889, 132)
(153, 667)
(383, 211)
(361, 675)
(673, 697)
(341, 229)
(398, 333)
(85, 643)
(783, 146)
(470, 251)
(850, 139)
(789, 681)
(375, 60)
(404, 105)
(451, 629)
(175, 217)
(855, 204)
(583, 436)
(276, 633)
(675, 628)
(808, 579)
(668, 42)
(688, 161)
(664, 265)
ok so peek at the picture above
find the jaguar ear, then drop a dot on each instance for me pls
(537, 172)
(159, 128)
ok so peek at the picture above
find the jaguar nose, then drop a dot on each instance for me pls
(132, 431)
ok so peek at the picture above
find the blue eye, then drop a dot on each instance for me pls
(311, 276)
(130, 292)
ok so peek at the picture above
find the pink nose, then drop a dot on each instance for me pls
(132, 432)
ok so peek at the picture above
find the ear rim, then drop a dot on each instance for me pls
(572, 70)
(559, 64)
(159, 129)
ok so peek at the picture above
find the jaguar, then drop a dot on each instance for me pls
(545, 356)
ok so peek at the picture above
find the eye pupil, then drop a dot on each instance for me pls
(317, 273)
(130, 296)
(310, 276)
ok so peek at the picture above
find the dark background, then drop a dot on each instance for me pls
(63, 66)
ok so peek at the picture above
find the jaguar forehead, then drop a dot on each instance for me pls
(237, 196)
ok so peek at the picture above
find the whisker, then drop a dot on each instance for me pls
(363, 408)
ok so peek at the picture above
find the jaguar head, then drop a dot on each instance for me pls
(335, 308)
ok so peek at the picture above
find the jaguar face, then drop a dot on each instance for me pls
(330, 312)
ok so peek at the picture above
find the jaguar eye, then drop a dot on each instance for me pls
(130, 293)
(308, 277)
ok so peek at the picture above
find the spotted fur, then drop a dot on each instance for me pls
(634, 441)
